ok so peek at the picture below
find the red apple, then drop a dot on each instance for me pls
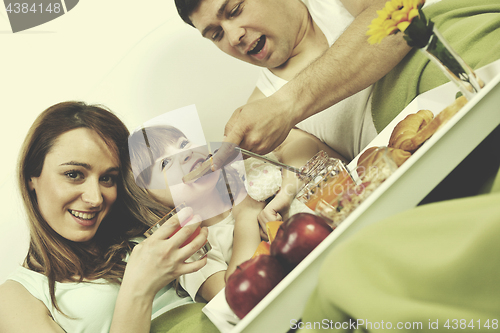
(297, 237)
(251, 281)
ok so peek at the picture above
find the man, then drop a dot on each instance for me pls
(284, 36)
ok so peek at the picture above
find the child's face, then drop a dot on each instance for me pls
(178, 160)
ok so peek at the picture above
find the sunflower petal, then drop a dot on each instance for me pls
(382, 14)
(390, 7)
(412, 14)
(403, 25)
(399, 16)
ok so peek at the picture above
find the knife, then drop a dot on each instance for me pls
(207, 166)
(268, 160)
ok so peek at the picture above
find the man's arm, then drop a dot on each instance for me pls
(347, 67)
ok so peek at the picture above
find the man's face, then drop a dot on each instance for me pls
(261, 32)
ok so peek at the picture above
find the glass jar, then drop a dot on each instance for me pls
(198, 254)
(331, 191)
(371, 172)
(324, 177)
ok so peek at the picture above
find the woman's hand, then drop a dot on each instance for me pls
(153, 264)
(160, 259)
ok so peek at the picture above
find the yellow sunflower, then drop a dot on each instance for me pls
(394, 17)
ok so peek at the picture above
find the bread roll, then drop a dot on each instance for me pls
(371, 156)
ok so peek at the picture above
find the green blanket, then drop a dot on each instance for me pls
(472, 27)
(184, 319)
(430, 267)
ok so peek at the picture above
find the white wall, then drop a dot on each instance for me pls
(137, 57)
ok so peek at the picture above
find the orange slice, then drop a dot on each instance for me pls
(272, 228)
(263, 248)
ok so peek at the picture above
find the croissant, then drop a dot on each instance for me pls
(409, 134)
(406, 129)
(439, 121)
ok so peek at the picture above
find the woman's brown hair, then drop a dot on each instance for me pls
(49, 253)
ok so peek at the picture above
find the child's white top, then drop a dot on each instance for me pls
(220, 236)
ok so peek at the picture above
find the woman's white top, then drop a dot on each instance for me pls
(89, 306)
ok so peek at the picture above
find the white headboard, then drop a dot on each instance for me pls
(172, 67)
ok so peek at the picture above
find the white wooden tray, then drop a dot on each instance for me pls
(403, 190)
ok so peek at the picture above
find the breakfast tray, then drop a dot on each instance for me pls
(403, 190)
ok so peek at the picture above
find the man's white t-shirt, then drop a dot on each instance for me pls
(347, 127)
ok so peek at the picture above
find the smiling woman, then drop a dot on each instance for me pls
(79, 182)
(83, 271)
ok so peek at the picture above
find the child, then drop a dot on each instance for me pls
(161, 155)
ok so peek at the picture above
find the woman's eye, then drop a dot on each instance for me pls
(184, 143)
(74, 175)
(109, 180)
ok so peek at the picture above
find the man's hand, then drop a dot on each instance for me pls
(260, 126)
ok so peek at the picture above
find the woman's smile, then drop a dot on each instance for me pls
(84, 218)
